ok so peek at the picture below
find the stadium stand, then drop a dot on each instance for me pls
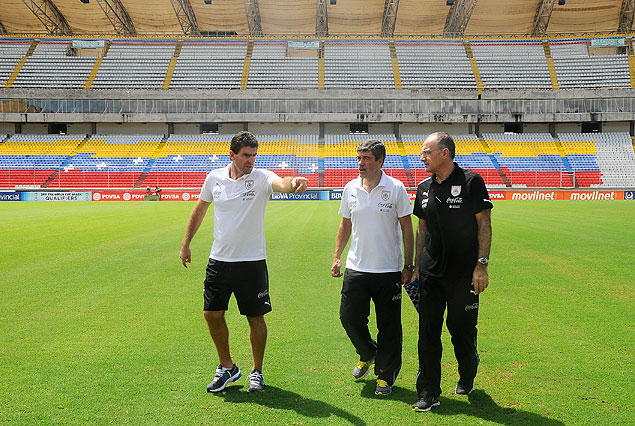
(210, 64)
(512, 64)
(358, 64)
(470, 154)
(11, 52)
(272, 68)
(105, 161)
(437, 64)
(576, 68)
(348, 63)
(137, 64)
(601, 159)
(528, 159)
(29, 160)
(50, 66)
(340, 157)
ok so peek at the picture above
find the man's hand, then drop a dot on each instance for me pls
(336, 268)
(186, 255)
(299, 184)
(480, 278)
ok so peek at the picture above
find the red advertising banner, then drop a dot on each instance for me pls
(593, 195)
(138, 195)
(581, 195)
(497, 195)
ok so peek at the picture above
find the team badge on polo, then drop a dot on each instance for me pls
(455, 190)
(249, 183)
(385, 195)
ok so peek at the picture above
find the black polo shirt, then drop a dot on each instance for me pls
(451, 233)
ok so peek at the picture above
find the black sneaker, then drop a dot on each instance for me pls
(425, 404)
(464, 389)
(222, 378)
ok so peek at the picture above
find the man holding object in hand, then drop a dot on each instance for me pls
(452, 253)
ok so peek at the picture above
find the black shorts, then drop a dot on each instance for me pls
(249, 281)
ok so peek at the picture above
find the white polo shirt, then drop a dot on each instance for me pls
(376, 244)
(239, 213)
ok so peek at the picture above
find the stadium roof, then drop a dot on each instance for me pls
(300, 17)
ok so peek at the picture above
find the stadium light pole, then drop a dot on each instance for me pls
(322, 19)
(458, 17)
(118, 16)
(390, 18)
(626, 17)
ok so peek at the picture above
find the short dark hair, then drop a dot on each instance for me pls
(445, 141)
(377, 148)
(242, 139)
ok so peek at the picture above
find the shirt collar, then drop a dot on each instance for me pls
(227, 174)
(383, 181)
(449, 178)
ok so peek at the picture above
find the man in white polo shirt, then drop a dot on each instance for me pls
(376, 211)
(237, 260)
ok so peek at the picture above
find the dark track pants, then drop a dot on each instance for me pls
(435, 295)
(384, 289)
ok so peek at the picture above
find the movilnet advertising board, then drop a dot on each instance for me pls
(564, 195)
(138, 195)
(556, 195)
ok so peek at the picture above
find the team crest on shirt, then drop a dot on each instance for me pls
(385, 195)
(249, 184)
(455, 190)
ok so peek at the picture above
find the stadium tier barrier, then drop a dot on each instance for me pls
(533, 160)
(322, 195)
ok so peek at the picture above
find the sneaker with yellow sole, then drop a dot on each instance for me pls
(362, 369)
(383, 388)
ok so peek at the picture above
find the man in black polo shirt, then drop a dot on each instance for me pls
(452, 251)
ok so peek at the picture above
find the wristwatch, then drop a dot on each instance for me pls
(410, 267)
(483, 260)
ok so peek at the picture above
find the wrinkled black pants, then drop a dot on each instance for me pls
(462, 304)
(384, 289)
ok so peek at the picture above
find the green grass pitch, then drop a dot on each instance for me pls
(101, 324)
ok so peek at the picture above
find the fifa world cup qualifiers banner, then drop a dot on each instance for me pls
(55, 196)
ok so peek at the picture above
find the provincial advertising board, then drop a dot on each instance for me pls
(308, 195)
(9, 196)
